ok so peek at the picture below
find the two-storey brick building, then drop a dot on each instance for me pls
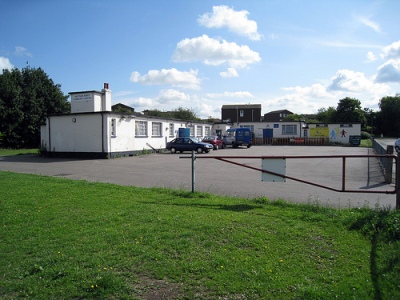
(237, 113)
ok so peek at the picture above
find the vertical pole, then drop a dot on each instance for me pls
(193, 170)
(397, 182)
(343, 174)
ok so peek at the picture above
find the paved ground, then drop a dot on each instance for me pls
(214, 176)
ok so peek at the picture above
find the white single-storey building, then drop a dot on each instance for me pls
(299, 130)
(93, 130)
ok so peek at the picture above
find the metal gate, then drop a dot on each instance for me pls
(344, 158)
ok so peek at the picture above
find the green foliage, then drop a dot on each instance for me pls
(388, 118)
(365, 135)
(26, 97)
(65, 239)
(179, 113)
(326, 115)
(349, 110)
(293, 117)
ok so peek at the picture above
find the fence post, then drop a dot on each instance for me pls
(193, 171)
(397, 182)
(389, 164)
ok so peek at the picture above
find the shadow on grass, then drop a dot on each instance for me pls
(382, 228)
(234, 207)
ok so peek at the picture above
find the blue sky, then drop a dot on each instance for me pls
(158, 54)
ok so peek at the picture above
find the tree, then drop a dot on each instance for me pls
(293, 117)
(349, 110)
(388, 118)
(184, 114)
(326, 115)
(27, 96)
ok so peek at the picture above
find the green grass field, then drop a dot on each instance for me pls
(65, 239)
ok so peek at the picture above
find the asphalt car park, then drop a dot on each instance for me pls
(223, 178)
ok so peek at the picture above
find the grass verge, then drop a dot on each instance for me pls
(65, 239)
(7, 152)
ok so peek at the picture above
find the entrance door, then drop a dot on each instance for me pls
(268, 133)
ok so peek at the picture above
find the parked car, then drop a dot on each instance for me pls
(188, 144)
(397, 145)
(214, 140)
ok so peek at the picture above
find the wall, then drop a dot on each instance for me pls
(73, 133)
(337, 133)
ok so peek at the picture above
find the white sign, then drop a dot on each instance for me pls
(276, 165)
(82, 97)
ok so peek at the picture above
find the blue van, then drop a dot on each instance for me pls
(238, 137)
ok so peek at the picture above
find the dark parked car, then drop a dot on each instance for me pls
(397, 145)
(215, 141)
(188, 144)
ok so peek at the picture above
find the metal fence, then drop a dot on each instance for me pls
(309, 141)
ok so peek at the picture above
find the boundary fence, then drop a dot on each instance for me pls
(311, 141)
(389, 158)
(385, 161)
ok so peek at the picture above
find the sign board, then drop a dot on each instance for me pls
(355, 140)
(276, 165)
(82, 97)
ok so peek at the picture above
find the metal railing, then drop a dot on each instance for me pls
(344, 158)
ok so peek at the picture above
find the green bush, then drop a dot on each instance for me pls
(365, 135)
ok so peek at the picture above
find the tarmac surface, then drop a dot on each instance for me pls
(218, 177)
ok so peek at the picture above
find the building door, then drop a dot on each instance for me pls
(268, 133)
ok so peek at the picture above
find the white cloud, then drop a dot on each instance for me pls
(302, 100)
(172, 96)
(347, 80)
(213, 52)
(187, 80)
(371, 56)
(345, 83)
(389, 71)
(243, 94)
(21, 51)
(235, 21)
(371, 24)
(231, 72)
(391, 51)
(166, 99)
(5, 64)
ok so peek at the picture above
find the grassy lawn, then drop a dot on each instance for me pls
(6, 152)
(366, 143)
(65, 239)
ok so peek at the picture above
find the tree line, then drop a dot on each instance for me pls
(386, 121)
(27, 96)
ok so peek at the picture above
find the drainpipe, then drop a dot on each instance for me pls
(300, 128)
(102, 133)
(49, 134)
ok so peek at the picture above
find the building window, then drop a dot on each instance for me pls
(191, 130)
(156, 129)
(276, 125)
(141, 128)
(248, 126)
(207, 131)
(241, 113)
(199, 131)
(171, 129)
(289, 129)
